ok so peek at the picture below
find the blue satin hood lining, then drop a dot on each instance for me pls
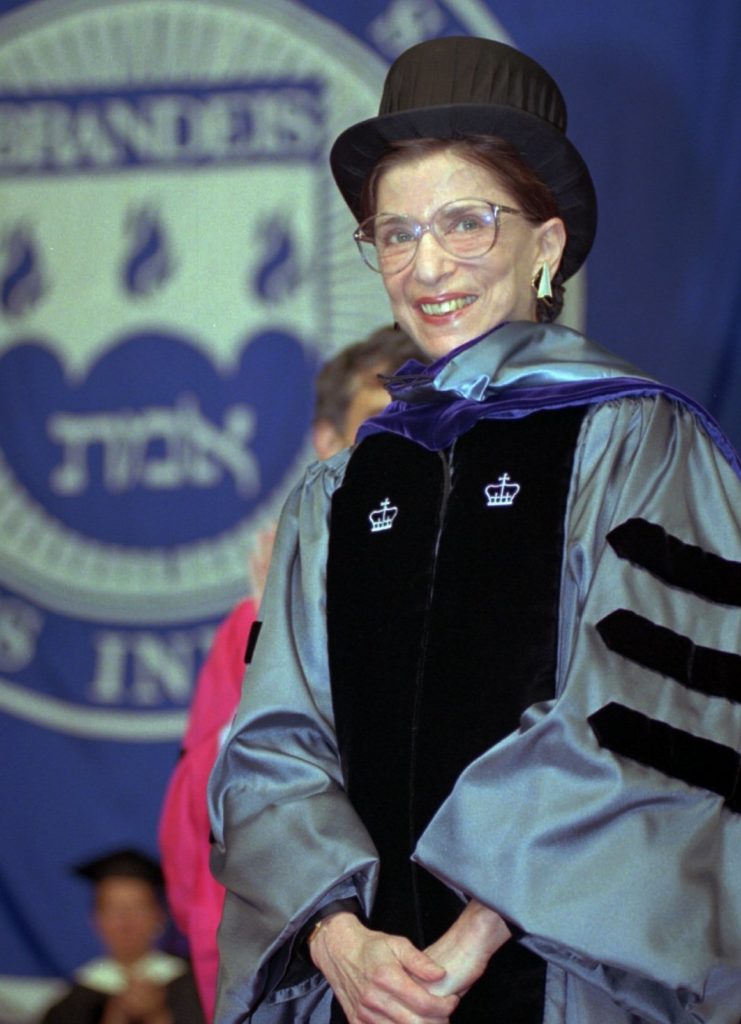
(530, 367)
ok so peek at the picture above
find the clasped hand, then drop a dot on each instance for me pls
(380, 978)
(142, 1001)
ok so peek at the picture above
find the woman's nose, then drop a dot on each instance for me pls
(431, 261)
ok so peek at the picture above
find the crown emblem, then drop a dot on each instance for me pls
(502, 493)
(383, 518)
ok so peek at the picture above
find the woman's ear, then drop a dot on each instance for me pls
(551, 243)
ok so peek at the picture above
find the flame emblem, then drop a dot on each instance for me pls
(21, 284)
(149, 265)
(278, 276)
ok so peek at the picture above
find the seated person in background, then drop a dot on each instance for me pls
(134, 982)
(348, 391)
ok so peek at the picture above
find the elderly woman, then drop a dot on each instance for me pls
(488, 766)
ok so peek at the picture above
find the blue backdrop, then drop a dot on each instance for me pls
(175, 263)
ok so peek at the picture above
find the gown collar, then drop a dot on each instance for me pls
(516, 354)
(512, 371)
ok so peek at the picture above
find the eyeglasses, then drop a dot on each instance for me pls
(465, 228)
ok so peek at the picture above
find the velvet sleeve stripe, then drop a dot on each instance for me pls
(677, 563)
(674, 752)
(703, 669)
(252, 641)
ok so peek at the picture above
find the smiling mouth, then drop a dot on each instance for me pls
(447, 306)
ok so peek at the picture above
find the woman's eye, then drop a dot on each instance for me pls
(399, 235)
(468, 223)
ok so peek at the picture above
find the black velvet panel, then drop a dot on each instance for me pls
(377, 594)
(442, 631)
(677, 563)
(676, 753)
(492, 626)
(714, 673)
(252, 641)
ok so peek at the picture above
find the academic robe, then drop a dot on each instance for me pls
(605, 824)
(96, 982)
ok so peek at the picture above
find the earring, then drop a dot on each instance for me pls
(542, 288)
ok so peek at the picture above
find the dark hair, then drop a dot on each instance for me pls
(497, 155)
(358, 365)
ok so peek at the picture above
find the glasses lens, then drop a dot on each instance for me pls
(387, 242)
(367, 248)
(466, 228)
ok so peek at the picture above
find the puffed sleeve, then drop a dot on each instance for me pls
(608, 827)
(286, 838)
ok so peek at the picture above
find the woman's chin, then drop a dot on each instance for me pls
(439, 341)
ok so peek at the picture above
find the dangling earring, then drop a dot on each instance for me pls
(542, 288)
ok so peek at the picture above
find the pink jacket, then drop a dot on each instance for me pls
(194, 897)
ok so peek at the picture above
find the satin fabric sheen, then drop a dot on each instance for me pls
(624, 880)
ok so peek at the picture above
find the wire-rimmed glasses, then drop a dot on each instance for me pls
(465, 228)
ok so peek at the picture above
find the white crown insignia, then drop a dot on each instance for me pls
(502, 493)
(383, 518)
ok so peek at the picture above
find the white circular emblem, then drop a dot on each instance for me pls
(180, 144)
(175, 260)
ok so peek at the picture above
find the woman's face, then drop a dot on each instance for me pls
(443, 301)
(128, 917)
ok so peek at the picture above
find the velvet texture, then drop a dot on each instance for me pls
(687, 566)
(676, 753)
(252, 638)
(442, 631)
(715, 673)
